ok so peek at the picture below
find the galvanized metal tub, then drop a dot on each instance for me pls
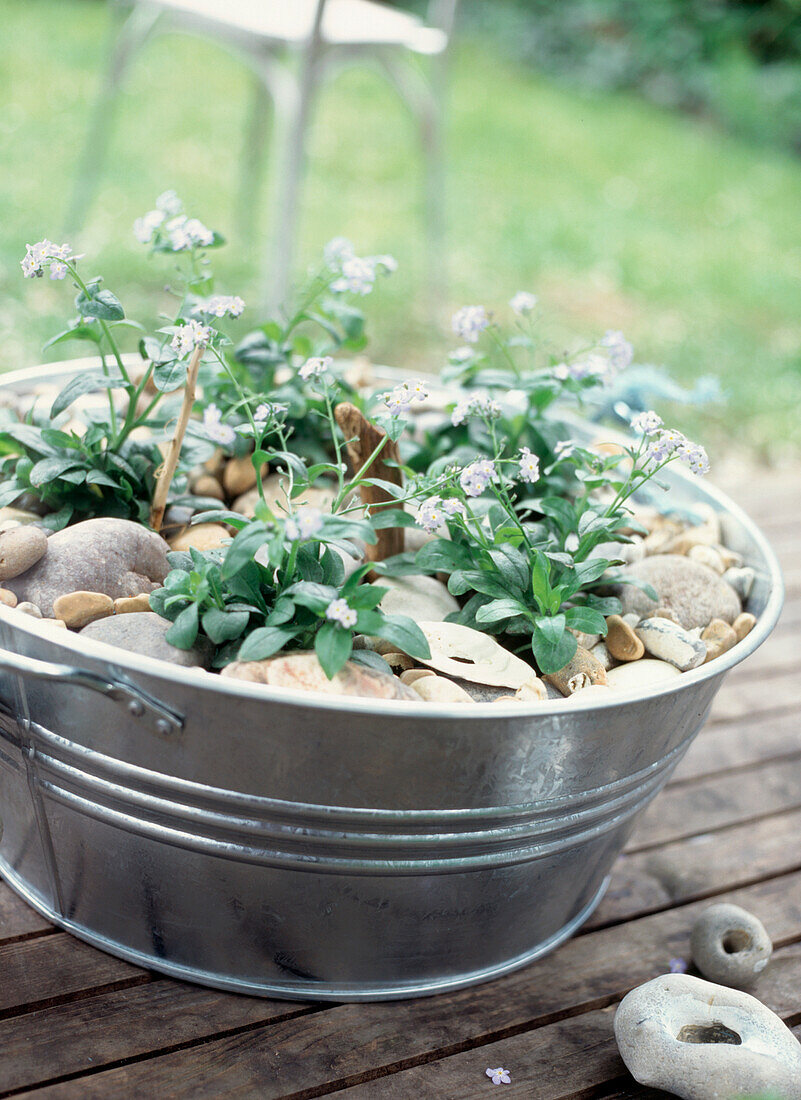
(282, 844)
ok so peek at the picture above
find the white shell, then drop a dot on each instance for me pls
(470, 655)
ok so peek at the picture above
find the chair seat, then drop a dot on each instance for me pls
(289, 22)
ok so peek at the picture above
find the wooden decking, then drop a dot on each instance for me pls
(75, 1023)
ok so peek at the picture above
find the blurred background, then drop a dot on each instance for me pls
(636, 165)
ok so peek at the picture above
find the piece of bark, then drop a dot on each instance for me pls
(361, 440)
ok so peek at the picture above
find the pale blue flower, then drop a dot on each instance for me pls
(340, 611)
(499, 1076)
(646, 423)
(220, 433)
(529, 466)
(169, 204)
(477, 404)
(43, 254)
(190, 336)
(315, 367)
(475, 478)
(403, 396)
(469, 322)
(220, 305)
(620, 350)
(523, 303)
(146, 226)
(306, 522)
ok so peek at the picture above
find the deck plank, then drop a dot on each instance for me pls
(564, 1058)
(350, 1043)
(75, 1023)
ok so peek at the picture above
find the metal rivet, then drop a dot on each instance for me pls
(163, 726)
(136, 708)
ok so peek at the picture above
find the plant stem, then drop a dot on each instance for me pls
(165, 475)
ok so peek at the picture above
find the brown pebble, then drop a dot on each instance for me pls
(621, 641)
(743, 624)
(20, 548)
(201, 536)
(127, 605)
(239, 475)
(409, 676)
(718, 638)
(438, 689)
(534, 690)
(730, 558)
(580, 671)
(398, 662)
(8, 598)
(662, 613)
(78, 609)
(208, 486)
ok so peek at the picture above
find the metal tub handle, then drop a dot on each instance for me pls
(137, 702)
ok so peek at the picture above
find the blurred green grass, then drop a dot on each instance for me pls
(617, 214)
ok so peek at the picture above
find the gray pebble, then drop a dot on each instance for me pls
(729, 945)
(693, 592)
(29, 609)
(143, 632)
(114, 556)
(741, 580)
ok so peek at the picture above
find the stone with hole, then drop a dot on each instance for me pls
(702, 1041)
(730, 945)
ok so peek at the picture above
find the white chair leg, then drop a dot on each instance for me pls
(293, 110)
(424, 100)
(131, 36)
(252, 172)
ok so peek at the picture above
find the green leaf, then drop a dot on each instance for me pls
(540, 580)
(333, 645)
(560, 510)
(265, 642)
(49, 469)
(370, 660)
(170, 375)
(240, 552)
(498, 610)
(99, 303)
(406, 635)
(391, 517)
(513, 567)
(283, 612)
(482, 582)
(366, 597)
(587, 571)
(99, 477)
(442, 556)
(585, 619)
(85, 382)
(224, 626)
(92, 333)
(552, 643)
(315, 596)
(183, 632)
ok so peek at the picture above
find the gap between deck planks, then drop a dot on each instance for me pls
(314, 1055)
(76, 1023)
